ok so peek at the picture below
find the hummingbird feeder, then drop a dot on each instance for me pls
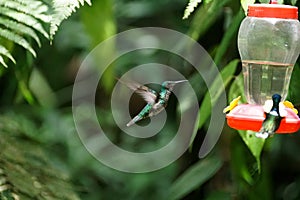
(269, 45)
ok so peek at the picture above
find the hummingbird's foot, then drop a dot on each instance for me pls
(263, 135)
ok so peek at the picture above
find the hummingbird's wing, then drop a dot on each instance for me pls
(282, 111)
(268, 106)
(146, 93)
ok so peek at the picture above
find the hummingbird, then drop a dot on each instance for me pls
(275, 111)
(156, 102)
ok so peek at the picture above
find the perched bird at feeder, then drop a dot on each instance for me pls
(275, 111)
(232, 105)
(155, 102)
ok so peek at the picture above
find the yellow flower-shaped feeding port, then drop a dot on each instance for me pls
(232, 105)
(288, 104)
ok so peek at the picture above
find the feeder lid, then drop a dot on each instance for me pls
(273, 10)
(251, 117)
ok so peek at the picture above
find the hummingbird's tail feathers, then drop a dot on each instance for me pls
(263, 135)
(134, 120)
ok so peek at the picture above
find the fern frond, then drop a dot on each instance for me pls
(17, 39)
(26, 171)
(5, 188)
(5, 52)
(21, 28)
(34, 8)
(28, 20)
(2, 62)
(62, 10)
(190, 8)
(20, 18)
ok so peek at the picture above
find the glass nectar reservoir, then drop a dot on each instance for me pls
(269, 45)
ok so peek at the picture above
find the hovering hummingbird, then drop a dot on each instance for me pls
(275, 111)
(155, 102)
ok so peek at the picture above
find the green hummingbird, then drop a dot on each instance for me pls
(156, 102)
(275, 111)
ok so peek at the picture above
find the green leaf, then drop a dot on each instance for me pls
(237, 89)
(219, 195)
(268, 1)
(254, 144)
(26, 92)
(264, 1)
(228, 37)
(245, 4)
(214, 93)
(294, 92)
(100, 31)
(241, 161)
(205, 17)
(39, 86)
(194, 177)
(294, 2)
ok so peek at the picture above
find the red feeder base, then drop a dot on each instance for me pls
(251, 117)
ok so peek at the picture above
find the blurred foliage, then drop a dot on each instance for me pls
(21, 21)
(25, 170)
(195, 176)
(38, 138)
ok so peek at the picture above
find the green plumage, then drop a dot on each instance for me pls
(272, 120)
(271, 123)
(155, 103)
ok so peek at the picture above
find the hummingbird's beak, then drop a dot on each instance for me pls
(171, 84)
(175, 82)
